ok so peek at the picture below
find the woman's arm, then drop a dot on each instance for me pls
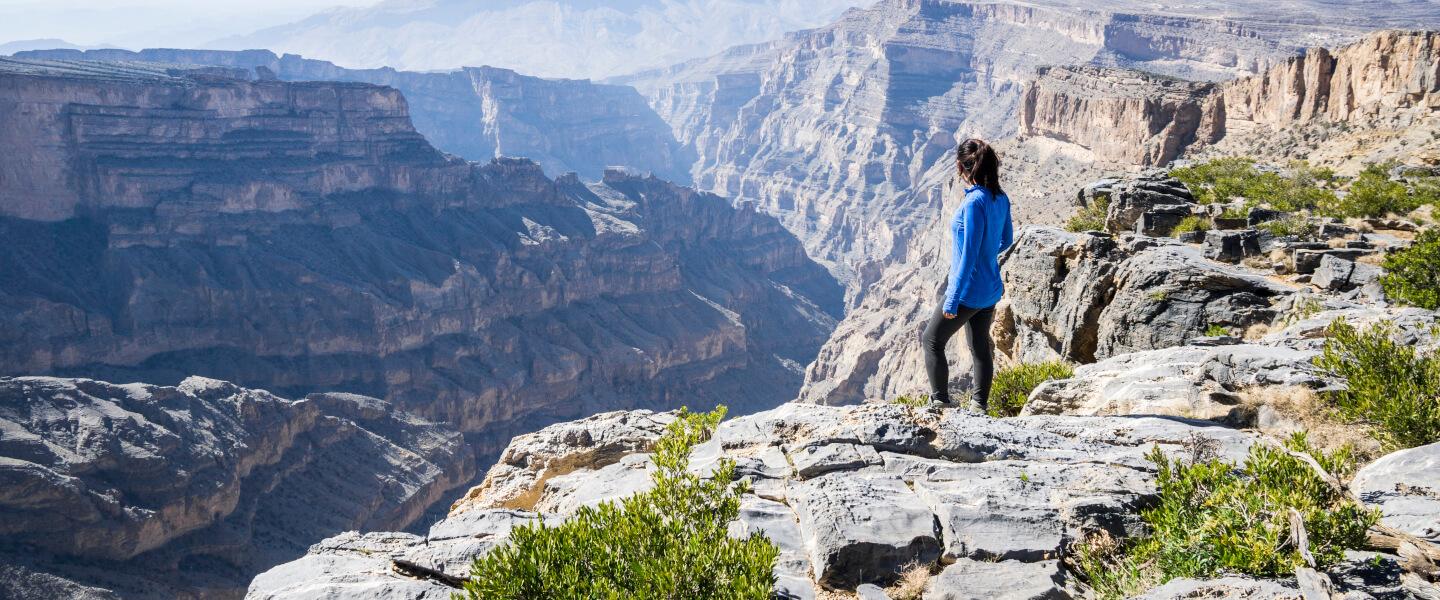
(966, 253)
(1007, 235)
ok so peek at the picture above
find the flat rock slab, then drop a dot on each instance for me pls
(1405, 485)
(816, 459)
(863, 528)
(1230, 588)
(1004, 580)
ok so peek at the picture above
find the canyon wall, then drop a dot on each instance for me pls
(478, 112)
(144, 491)
(302, 237)
(830, 130)
(1371, 100)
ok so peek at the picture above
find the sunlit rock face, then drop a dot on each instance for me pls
(478, 113)
(302, 237)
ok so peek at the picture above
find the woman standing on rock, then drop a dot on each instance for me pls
(981, 230)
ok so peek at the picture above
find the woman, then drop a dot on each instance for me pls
(981, 230)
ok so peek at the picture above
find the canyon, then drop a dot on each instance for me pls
(165, 222)
(476, 113)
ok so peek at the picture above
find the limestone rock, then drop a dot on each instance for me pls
(1188, 381)
(1003, 580)
(1343, 275)
(861, 528)
(1405, 485)
(518, 478)
(205, 473)
(1237, 588)
(1147, 120)
(1130, 200)
(1231, 246)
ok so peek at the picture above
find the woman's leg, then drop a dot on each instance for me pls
(982, 352)
(937, 333)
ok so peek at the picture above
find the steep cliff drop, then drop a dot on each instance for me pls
(165, 221)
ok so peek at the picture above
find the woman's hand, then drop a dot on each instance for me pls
(949, 316)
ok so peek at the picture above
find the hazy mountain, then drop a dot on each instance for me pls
(573, 38)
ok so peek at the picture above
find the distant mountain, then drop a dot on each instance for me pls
(570, 38)
(41, 44)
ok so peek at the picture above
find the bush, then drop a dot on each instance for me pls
(1192, 223)
(1296, 225)
(1216, 331)
(1221, 179)
(1393, 387)
(1213, 519)
(669, 542)
(1374, 195)
(1012, 386)
(1413, 275)
(921, 400)
(1090, 218)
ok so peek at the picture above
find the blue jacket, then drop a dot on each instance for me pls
(981, 230)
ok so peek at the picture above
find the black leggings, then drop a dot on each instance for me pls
(939, 332)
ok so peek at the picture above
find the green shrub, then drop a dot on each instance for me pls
(1393, 387)
(1214, 519)
(1192, 223)
(1221, 179)
(1374, 195)
(666, 543)
(1297, 225)
(1413, 275)
(921, 400)
(1012, 386)
(1216, 330)
(1090, 218)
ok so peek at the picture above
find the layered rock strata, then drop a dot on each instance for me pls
(851, 495)
(303, 237)
(1371, 100)
(143, 491)
(477, 113)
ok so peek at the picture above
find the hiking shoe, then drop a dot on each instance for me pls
(978, 407)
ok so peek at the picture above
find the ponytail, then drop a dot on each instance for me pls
(979, 165)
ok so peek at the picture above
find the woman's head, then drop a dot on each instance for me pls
(978, 164)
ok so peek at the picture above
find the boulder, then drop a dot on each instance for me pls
(1231, 246)
(1224, 223)
(1200, 382)
(1342, 275)
(1330, 231)
(1004, 580)
(518, 478)
(1258, 215)
(1191, 237)
(1131, 199)
(1405, 485)
(870, 591)
(1161, 221)
(1232, 588)
(863, 528)
(1307, 260)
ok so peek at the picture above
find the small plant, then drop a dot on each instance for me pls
(1413, 275)
(921, 400)
(1293, 225)
(1214, 518)
(1216, 331)
(1392, 386)
(1192, 223)
(1304, 308)
(1235, 213)
(669, 542)
(1090, 218)
(1158, 295)
(1012, 386)
(912, 582)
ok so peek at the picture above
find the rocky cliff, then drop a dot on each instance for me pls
(831, 130)
(1374, 99)
(478, 112)
(1122, 116)
(143, 491)
(302, 237)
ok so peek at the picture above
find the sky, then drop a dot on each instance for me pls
(139, 24)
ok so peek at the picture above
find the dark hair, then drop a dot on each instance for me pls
(979, 164)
